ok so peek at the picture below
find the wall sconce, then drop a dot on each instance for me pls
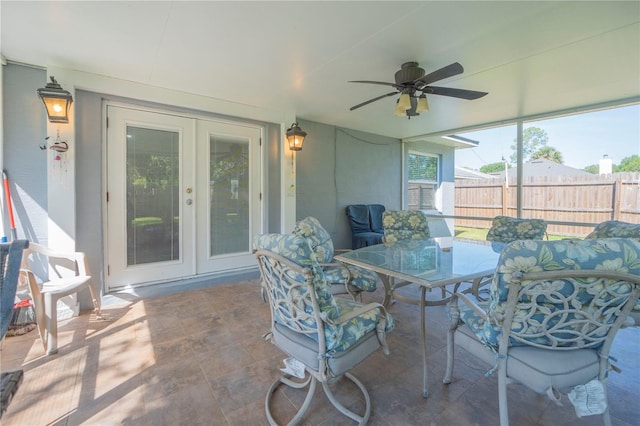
(295, 136)
(57, 101)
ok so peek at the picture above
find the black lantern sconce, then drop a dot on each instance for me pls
(295, 136)
(57, 101)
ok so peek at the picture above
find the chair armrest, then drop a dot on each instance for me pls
(342, 250)
(470, 303)
(80, 258)
(340, 265)
(356, 312)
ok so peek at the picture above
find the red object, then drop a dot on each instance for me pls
(23, 304)
(7, 192)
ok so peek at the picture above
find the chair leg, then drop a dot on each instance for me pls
(96, 302)
(51, 323)
(311, 381)
(502, 393)
(454, 314)
(362, 420)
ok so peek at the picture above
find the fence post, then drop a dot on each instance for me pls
(617, 193)
(505, 197)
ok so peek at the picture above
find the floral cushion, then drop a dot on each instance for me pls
(338, 337)
(535, 307)
(342, 336)
(357, 276)
(505, 229)
(404, 225)
(298, 250)
(322, 245)
(321, 241)
(616, 229)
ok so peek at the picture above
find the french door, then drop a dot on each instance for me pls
(183, 196)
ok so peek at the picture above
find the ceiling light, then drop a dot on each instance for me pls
(423, 105)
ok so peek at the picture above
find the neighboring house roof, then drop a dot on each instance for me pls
(542, 167)
(464, 173)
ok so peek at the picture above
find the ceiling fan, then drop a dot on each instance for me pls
(413, 86)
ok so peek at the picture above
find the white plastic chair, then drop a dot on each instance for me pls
(71, 271)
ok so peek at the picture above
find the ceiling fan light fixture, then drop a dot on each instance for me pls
(402, 105)
(404, 101)
(399, 111)
(423, 105)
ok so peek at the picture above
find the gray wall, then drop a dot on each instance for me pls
(25, 123)
(338, 167)
(89, 237)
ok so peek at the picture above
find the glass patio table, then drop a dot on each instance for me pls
(433, 263)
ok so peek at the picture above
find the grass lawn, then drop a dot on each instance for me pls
(481, 234)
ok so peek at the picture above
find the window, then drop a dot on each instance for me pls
(422, 180)
(582, 168)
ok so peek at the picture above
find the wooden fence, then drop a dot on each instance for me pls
(588, 199)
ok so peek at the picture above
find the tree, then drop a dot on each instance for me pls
(493, 167)
(628, 164)
(548, 153)
(593, 168)
(533, 139)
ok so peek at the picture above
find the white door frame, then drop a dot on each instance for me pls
(190, 259)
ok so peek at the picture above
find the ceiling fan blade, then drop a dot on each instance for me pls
(456, 93)
(444, 72)
(372, 100)
(384, 83)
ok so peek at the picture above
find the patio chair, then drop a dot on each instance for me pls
(505, 229)
(619, 229)
(365, 221)
(554, 310)
(324, 336)
(404, 224)
(10, 256)
(616, 229)
(71, 271)
(344, 279)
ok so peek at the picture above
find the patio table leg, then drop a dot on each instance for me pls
(423, 336)
(388, 291)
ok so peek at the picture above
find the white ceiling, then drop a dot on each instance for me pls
(532, 57)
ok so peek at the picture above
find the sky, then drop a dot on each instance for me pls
(582, 139)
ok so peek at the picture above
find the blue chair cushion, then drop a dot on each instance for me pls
(298, 250)
(340, 337)
(362, 278)
(359, 221)
(321, 242)
(375, 217)
(365, 239)
(618, 254)
(322, 245)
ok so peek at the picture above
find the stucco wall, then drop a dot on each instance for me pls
(338, 167)
(24, 123)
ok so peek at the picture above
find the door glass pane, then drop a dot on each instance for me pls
(153, 216)
(229, 195)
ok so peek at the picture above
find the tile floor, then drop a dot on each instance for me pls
(198, 358)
